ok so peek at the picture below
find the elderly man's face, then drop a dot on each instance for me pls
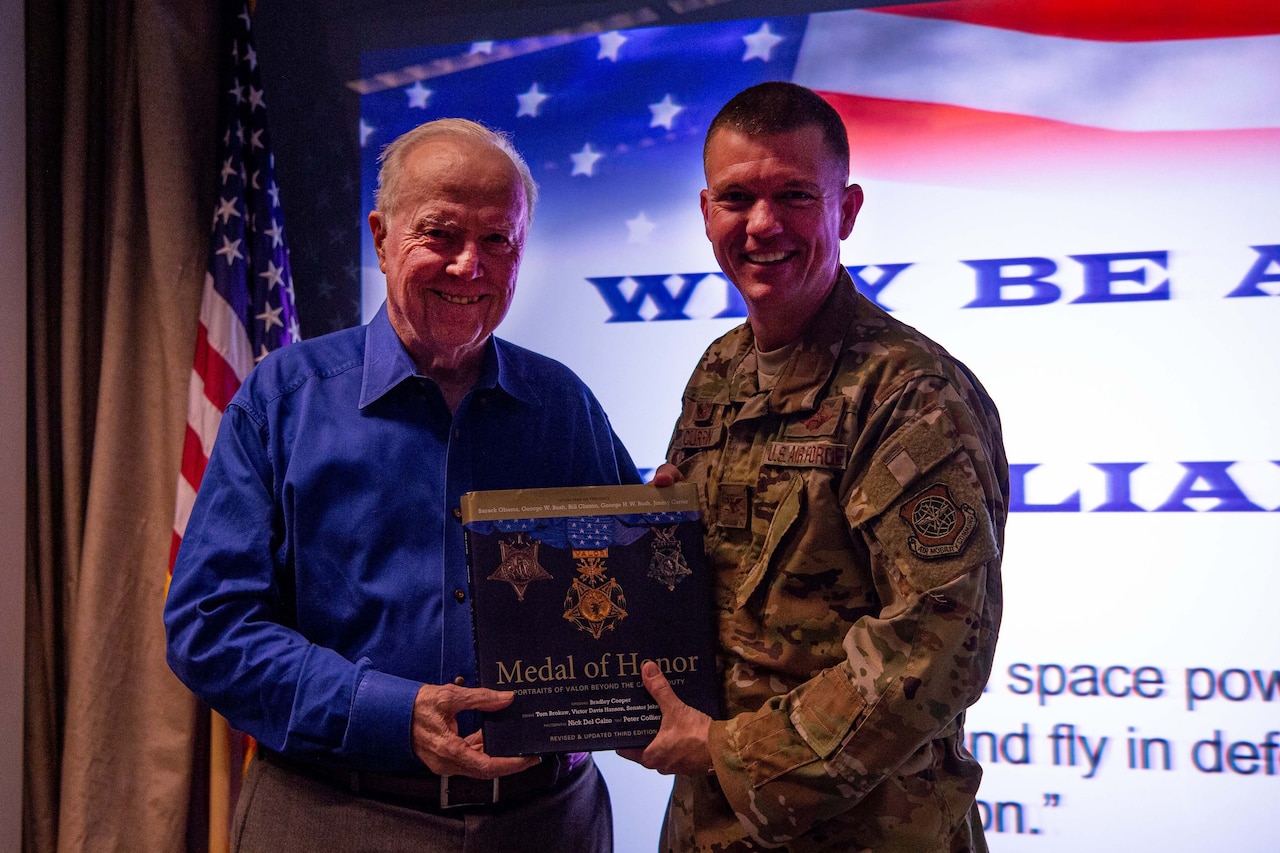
(776, 208)
(451, 248)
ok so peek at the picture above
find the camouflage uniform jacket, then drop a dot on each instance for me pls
(854, 519)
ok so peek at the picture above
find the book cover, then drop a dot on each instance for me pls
(571, 590)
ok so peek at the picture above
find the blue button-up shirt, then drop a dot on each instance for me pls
(322, 577)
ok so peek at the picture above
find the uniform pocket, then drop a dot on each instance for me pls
(769, 534)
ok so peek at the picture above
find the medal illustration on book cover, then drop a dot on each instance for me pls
(594, 602)
(519, 566)
(667, 564)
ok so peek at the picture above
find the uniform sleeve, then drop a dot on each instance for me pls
(227, 617)
(926, 504)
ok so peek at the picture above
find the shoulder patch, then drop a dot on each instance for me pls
(940, 527)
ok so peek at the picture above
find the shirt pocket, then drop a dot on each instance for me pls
(777, 505)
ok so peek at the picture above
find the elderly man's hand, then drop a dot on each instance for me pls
(681, 745)
(435, 732)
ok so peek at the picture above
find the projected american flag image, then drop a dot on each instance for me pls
(612, 123)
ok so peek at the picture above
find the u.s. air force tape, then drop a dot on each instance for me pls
(807, 454)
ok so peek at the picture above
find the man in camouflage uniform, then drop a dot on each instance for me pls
(854, 488)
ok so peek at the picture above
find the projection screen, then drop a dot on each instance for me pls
(1081, 202)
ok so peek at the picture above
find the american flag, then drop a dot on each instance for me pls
(246, 311)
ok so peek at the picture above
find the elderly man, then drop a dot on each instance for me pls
(319, 600)
(855, 490)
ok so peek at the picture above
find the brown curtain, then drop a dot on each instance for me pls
(121, 172)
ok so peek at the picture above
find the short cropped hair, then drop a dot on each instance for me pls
(393, 156)
(779, 107)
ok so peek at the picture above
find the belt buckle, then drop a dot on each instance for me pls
(447, 802)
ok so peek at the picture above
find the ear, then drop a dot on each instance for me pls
(849, 207)
(705, 204)
(378, 228)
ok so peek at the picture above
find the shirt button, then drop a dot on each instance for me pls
(460, 681)
(457, 513)
(460, 595)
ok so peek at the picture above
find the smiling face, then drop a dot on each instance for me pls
(776, 208)
(450, 244)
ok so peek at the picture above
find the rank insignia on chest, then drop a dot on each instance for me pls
(732, 505)
(940, 527)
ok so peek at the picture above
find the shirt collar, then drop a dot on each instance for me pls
(812, 360)
(387, 363)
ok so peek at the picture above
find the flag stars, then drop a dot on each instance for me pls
(485, 47)
(276, 233)
(761, 43)
(530, 101)
(230, 250)
(255, 98)
(366, 130)
(639, 228)
(274, 192)
(226, 210)
(273, 274)
(228, 170)
(418, 96)
(584, 162)
(664, 113)
(609, 45)
(255, 139)
(270, 317)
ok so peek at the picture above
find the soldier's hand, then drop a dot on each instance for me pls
(681, 745)
(435, 732)
(666, 475)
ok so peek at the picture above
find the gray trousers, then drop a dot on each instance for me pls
(280, 811)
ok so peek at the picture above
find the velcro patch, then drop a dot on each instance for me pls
(941, 529)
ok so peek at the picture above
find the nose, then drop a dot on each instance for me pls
(466, 263)
(762, 219)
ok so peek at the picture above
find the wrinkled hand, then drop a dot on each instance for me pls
(666, 475)
(681, 745)
(435, 732)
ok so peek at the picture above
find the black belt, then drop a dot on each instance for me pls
(428, 792)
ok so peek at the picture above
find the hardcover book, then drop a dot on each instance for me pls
(571, 590)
